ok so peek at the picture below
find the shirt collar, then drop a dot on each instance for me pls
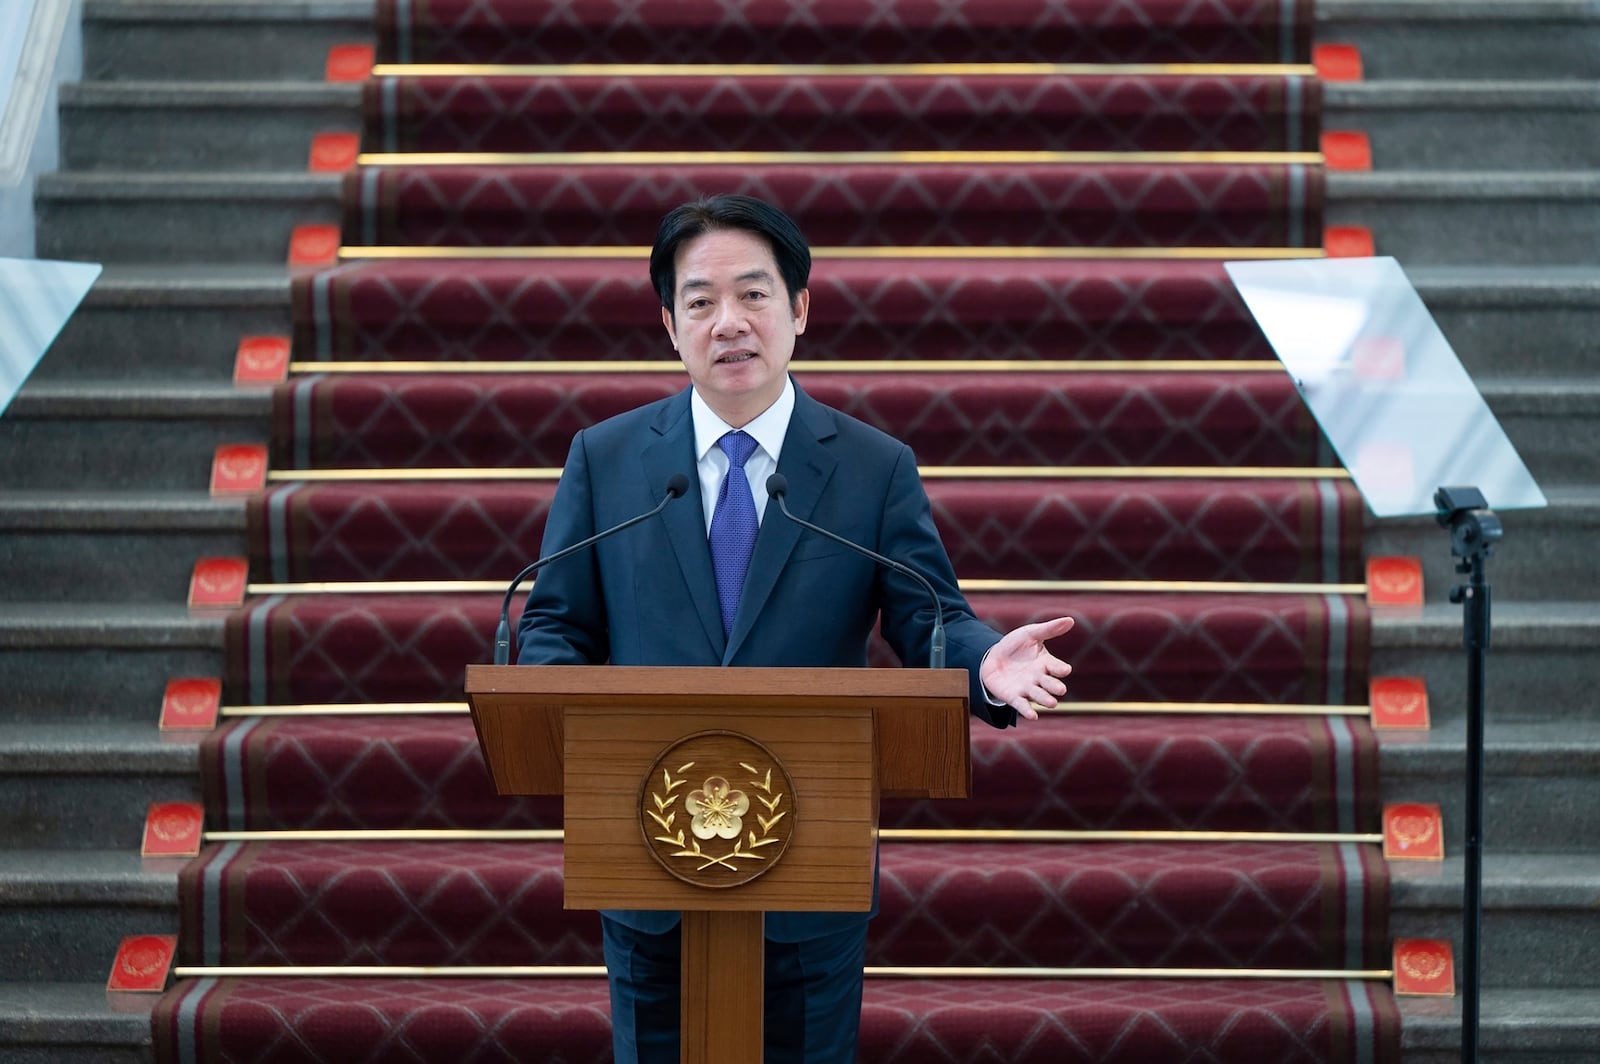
(768, 429)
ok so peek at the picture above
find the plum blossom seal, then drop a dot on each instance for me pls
(717, 809)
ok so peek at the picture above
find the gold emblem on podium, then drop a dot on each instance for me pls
(717, 809)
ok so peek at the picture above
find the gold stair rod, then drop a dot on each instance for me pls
(594, 971)
(875, 252)
(541, 473)
(840, 158)
(841, 366)
(1266, 709)
(884, 834)
(747, 70)
(1179, 587)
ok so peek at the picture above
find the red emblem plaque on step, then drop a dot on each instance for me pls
(261, 360)
(1413, 831)
(142, 964)
(1398, 702)
(172, 829)
(350, 62)
(1346, 150)
(314, 245)
(1424, 967)
(1394, 582)
(334, 153)
(218, 583)
(239, 469)
(1348, 242)
(191, 703)
(1337, 62)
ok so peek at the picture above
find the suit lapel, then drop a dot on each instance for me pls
(807, 465)
(673, 452)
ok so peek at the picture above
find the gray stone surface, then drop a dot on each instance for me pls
(64, 912)
(1547, 553)
(99, 662)
(139, 218)
(125, 546)
(1470, 125)
(1520, 1026)
(73, 1022)
(1540, 666)
(1466, 38)
(1542, 782)
(176, 126)
(212, 42)
(86, 784)
(150, 438)
(1481, 218)
(1539, 922)
(168, 323)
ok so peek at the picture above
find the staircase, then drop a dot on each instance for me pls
(184, 169)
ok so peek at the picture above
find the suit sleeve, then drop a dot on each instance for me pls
(910, 536)
(564, 620)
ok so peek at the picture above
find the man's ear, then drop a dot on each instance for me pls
(802, 306)
(666, 320)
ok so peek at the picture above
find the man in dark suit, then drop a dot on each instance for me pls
(722, 579)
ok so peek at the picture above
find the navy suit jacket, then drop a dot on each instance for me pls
(647, 596)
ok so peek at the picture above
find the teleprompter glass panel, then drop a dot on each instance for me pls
(36, 299)
(1383, 382)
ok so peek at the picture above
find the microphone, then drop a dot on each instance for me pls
(778, 487)
(677, 485)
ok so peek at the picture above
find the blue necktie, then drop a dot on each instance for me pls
(733, 526)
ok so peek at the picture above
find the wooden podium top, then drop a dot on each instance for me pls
(920, 715)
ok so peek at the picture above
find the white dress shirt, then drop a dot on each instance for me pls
(768, 430)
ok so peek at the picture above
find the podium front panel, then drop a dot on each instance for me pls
(828, 752)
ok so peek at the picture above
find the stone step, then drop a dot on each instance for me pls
(63, 912)
(1440, 39)
(104, 547)
(1471, 125)
(1420, 217)
(1546, 553)
(178, 218)
(184, 322)
(103, 435)
(267, 126)
(1540, 666)
(99, 662)
(246, 40)
(180, 322)
(1541, 781)
(1539, 917)
(1423, 218)
(189, 126)
(258, 40)
(106, 435)
(87, 784)
(73, 1023)
(1550, 1025)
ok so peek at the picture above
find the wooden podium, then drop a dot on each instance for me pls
(790, 826)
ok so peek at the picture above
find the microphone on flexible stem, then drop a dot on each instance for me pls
(677, 485)
(778, 487)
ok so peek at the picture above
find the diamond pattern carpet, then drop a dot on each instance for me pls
(1117, 470)
(841, 112)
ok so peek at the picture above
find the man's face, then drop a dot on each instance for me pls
(735, 325)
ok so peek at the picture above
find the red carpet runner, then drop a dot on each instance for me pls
(1054, 449)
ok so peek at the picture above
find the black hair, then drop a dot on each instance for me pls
(727, 211)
